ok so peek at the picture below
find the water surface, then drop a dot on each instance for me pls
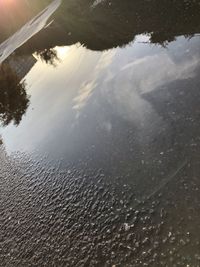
(100, 141)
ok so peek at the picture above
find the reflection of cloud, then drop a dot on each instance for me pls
(129, 105)
(157, 70)
(105, 60)
(126, 101)
(125, 83)
(123, 87)
(87, 87)
(107, 126)
(84, 94)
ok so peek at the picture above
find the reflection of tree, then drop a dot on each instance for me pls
(49, 56)
(161, 38)
(116, 23)
(13, 98)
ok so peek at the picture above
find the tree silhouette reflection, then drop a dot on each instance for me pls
(49, 56)
(13, 97)
(116, 23)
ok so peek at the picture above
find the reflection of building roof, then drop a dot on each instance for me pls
(21, 65)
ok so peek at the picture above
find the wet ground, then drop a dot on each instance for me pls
(100, 136)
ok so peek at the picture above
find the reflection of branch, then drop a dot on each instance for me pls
(49, 56)
(13, 98)
(144, 42)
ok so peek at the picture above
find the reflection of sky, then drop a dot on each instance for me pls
(62, 97)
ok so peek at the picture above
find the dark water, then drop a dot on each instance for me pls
(100, 137)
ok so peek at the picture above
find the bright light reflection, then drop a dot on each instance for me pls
(62, 51)
(7, 2)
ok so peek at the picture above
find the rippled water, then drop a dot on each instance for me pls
(100, 136)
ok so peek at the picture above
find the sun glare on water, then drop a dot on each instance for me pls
(7, 2)
(62, 51)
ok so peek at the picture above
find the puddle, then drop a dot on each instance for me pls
(99, 136)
